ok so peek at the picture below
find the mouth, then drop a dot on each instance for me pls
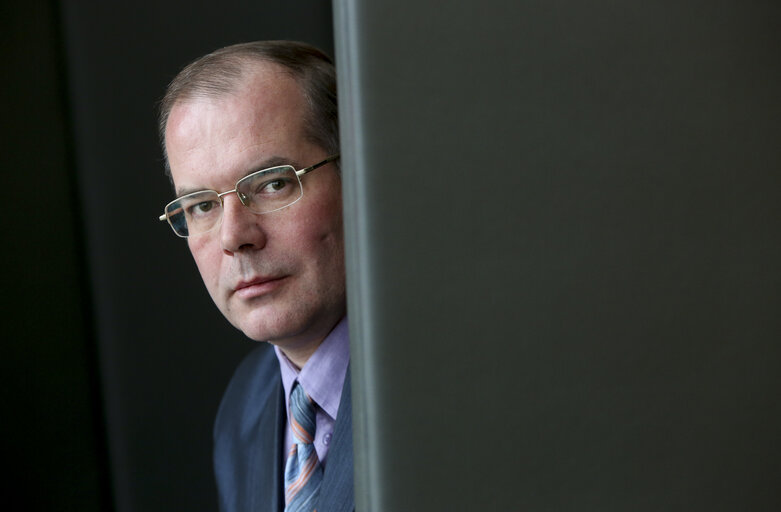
(258, 287)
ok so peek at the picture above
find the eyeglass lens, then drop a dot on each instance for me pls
(262, 192)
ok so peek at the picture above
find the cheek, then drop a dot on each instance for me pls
(313, 228)
(206, 259)
(328, 251)
(324, 239)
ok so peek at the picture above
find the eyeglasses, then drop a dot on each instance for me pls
(264, 191)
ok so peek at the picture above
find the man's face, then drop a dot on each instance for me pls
(277, 276)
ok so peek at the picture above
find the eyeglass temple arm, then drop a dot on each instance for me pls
(318, 164)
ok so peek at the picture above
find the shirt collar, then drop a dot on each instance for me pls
(323, 374)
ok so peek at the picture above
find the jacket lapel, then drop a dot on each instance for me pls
(266, 478)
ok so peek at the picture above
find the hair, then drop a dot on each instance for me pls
(222, 72)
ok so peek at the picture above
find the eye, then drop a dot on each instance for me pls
(269, 189)
(276, 185)
(271, 186)
(201, 208)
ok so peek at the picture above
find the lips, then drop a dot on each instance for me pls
(258, 286)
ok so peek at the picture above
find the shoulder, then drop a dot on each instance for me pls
(252, 385)
(248, 433)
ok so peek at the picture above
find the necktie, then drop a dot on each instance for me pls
(303, 472)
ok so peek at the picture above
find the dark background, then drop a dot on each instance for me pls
(114, 357)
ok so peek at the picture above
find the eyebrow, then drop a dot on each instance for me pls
(269, 162)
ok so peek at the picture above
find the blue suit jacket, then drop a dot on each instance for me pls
(248, 438)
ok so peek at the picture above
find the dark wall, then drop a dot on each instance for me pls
(52, 430)
(116, 355)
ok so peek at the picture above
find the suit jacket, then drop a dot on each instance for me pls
(249, 436)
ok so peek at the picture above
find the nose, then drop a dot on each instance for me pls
(241, 229)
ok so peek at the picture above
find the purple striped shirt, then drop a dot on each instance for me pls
(322, 377)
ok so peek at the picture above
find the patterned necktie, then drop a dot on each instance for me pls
(303, 472)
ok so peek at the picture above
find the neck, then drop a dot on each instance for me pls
(300, 355)
(299, 349)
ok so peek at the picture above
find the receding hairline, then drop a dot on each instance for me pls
(227, 70)
(253, 75)
(248, 66)
(264, 93)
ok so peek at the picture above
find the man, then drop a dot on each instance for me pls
(251, 140)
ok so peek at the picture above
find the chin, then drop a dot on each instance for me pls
(268, 325)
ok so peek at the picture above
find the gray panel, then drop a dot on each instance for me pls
(563, 238)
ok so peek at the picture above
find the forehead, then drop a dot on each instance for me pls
(216, 140)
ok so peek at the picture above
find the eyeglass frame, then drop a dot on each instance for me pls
(299, 173)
